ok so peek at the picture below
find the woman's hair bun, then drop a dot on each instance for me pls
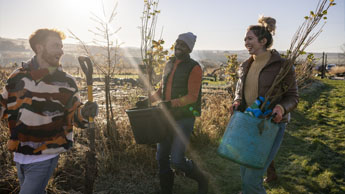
(269, 23)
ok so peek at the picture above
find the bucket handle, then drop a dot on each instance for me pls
(261, 125)
(272, 116)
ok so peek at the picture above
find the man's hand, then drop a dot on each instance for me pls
(234, 106)
(165, 104)
(90, 109)
(142, 103)
(278, 112)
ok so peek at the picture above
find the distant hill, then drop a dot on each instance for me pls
(18, 50)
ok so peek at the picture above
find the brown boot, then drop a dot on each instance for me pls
(271, 174)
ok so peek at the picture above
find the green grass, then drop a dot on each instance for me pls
(215, 83)
(311, 158)
(224, 175)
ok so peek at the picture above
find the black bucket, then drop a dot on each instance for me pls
(149, 125)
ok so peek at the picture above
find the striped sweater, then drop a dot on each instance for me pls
(41, 106)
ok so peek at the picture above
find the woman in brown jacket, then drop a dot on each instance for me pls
(256, 76)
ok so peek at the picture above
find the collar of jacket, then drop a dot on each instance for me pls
(275, 57)
(35, 71)
(172, 60)
(185, 58)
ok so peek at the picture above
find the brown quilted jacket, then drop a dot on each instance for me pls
(288, 100)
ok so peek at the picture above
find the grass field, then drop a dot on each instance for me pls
(311, 158)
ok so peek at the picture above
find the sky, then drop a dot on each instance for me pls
(218, 24)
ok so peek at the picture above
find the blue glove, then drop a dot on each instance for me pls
(254, 109)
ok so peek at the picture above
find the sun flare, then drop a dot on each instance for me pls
(84, 7)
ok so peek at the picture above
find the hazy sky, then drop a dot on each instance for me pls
(219, 24)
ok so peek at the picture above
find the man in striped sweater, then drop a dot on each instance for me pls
(41, 103)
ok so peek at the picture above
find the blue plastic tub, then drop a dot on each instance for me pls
(244, 143)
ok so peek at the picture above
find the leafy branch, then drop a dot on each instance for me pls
(230, 72)
(152, 52)
(300, 41)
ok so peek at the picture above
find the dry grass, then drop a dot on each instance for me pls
(8, 175)
(337, 70)
(215, 115)
(119, 157)
(123, 166)
(304, 73)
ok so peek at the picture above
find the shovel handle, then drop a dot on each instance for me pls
(91, 168)
(88, 71)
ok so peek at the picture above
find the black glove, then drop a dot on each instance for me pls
(142, 103)
(90, 109)
(165, 104)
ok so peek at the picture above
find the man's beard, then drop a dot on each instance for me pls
(181, 54)
(50, 59)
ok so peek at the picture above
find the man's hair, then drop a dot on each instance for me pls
(40, 36)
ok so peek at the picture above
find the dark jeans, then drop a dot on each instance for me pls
(172, 149)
